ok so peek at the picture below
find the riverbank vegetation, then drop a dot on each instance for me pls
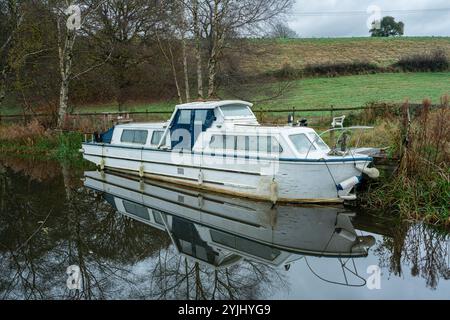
(34, 140)
(419, 145)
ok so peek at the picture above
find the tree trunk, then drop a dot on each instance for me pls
(65, 65)
(63, 103)
(186, 71)
(212, 63)
(2, 85)
(212, 66)
(217, 40)
(198, 50)
(170, 59)
(175, 77)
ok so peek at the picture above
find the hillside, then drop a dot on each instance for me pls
(262, 56)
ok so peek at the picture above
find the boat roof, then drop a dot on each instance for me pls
(263, 129)
(212, 104)
(142, 125)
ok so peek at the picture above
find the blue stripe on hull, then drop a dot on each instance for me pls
(236, 156)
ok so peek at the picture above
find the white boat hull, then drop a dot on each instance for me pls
(271, 179)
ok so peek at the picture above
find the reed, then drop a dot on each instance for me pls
(34, 140)
(420, 186)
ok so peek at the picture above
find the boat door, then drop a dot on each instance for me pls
(187, 126)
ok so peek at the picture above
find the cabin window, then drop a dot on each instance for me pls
(302, 143)
(136, 209)
(134, 136)
(248, 246)
(201, 115)
(184, 117)
(265, 144)
(318, 140)
(156, 137)
(158, 217)
(273, 146)
(241, 143)
(252, 144)
(230, 143)
(216, 142)
(223, 142)
(236, 111)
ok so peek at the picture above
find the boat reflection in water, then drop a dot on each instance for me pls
(220, 231)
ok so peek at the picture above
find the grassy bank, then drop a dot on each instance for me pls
(419, 188)
(33, 140)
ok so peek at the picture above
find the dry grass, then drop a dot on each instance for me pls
(420, 187)
(269, 55)
(27, 134)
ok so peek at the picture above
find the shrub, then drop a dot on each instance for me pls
(339, 69)
(434, 61)
(287, 72)
(68, 145)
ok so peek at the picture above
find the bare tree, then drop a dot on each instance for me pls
(222, 19)
(281, 30)
(118, 29)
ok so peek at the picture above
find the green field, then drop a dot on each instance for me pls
(355, 91)
(348, 91)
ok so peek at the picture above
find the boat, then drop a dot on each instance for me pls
(219, 230)
(219, 146)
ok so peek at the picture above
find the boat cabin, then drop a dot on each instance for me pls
(220, 127)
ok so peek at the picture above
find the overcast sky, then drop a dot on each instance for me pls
(349, 17)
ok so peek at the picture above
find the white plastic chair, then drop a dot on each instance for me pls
(338, 122)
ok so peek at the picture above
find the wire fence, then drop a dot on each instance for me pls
(89, 121)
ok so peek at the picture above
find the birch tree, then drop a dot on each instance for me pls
(70, 18)
(68, 22)
(222, 19)
(198, 48)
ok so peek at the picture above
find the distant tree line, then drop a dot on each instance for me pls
(57, 53)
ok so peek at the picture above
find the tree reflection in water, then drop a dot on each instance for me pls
(422, 248)
(80, 230)
(50, 222)
(49, 225)
(176, 277)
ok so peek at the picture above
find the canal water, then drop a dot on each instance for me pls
(74, 233)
